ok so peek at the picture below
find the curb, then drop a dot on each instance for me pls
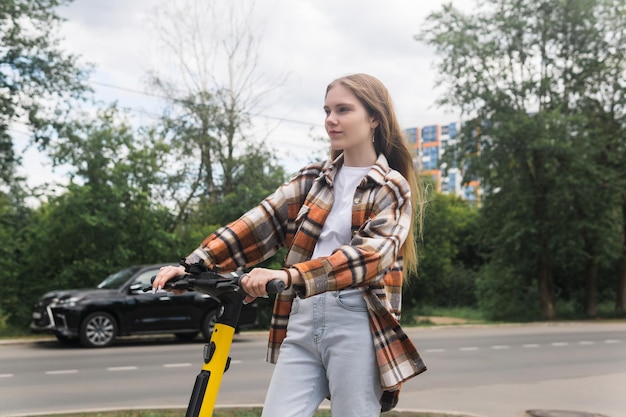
(560, 413)
(59, 413)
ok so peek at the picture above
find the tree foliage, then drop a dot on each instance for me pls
(538, 82)
(38, 81)
(38, 85)
(217, 87)
(14, 218)
(104, 221)
(448, 257)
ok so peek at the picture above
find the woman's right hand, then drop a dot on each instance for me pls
(165, 274)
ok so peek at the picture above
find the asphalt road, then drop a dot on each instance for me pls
(487, 371)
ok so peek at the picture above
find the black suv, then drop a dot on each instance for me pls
(120, 307)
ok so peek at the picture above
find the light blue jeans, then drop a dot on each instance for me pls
(328, 351)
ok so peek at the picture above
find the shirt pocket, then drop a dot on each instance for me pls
(302, 213)
(300, 219)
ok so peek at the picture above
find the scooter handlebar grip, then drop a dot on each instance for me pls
(275, 286)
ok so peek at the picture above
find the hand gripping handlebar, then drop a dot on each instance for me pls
(199, 278)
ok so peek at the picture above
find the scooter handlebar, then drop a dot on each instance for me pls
(275, 286)
(212, 282)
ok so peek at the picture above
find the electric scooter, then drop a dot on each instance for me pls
(226, 290)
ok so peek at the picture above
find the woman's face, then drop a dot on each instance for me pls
(348, 124)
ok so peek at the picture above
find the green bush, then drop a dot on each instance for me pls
(504, 295)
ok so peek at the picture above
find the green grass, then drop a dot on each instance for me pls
(470, 314)
(565, 311)
(436, 316)
(233, 412)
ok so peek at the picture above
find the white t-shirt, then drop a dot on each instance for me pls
(336, 231)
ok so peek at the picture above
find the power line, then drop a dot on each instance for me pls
(283, 119)
(144, 93)
(155, 115)
(130, 90)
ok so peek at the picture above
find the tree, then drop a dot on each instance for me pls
(38, 82)
(104, 221)
(216, 88)
(607, 119)
(258, 176)
(522, 73)
(107, 151)
(449, 258)
(14, 217)
(38, 85)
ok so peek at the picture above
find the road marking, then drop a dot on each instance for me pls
(62, 372)
(527, 345)
(6, 375)
(176, 365)
(122, 368)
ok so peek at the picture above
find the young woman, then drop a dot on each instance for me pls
(348, 224)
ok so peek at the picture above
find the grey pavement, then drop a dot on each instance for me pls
(438, 399)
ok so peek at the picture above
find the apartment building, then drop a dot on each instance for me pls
(430, 143)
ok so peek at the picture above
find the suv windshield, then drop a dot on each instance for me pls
(116, 280)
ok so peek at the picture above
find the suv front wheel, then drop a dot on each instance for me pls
(98, 330)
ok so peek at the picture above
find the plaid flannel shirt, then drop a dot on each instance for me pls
(293, 217)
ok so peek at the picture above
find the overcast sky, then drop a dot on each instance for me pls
(312, 42)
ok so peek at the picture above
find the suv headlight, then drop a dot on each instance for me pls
(66, 302)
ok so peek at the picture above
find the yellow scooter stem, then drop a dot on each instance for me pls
(216, 359)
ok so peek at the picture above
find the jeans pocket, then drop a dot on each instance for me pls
(295, 306)
(351, 300)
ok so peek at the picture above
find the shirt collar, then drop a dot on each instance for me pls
(376, 175)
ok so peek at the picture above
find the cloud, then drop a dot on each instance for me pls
(313, 41)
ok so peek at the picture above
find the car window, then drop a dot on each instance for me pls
(116, 280)
(145, 277)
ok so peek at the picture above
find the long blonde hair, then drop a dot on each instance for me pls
(391, 142)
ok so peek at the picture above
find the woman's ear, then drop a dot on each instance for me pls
(374, 122)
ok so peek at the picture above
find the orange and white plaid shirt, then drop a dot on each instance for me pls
(293, 217)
